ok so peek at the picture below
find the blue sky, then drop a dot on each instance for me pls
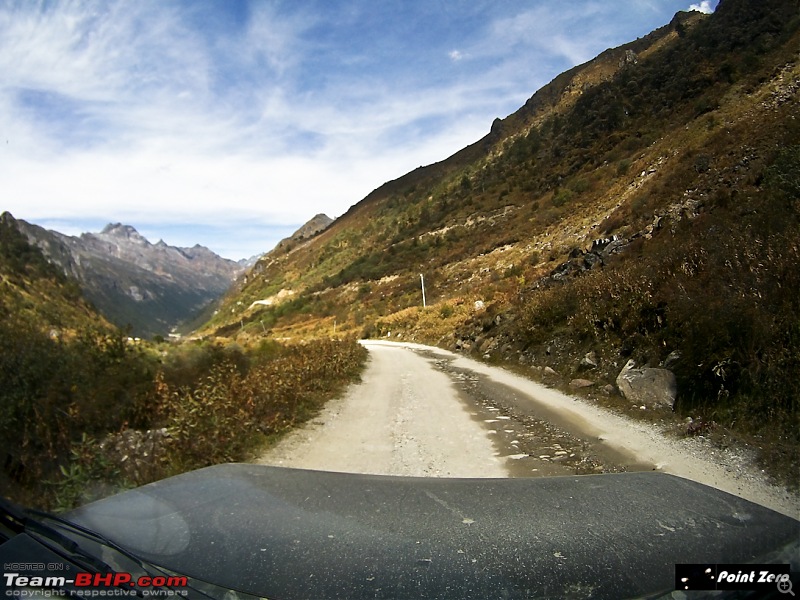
(230, 123)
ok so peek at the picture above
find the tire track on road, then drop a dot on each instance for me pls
(405, 418)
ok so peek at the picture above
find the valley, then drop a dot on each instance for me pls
(638, 216)
(151, 289)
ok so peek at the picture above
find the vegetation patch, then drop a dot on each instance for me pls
(84, 418)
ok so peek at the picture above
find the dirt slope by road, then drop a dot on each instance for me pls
(408, 418)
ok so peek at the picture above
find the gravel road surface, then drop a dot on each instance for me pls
(424, 411)
(404, 418)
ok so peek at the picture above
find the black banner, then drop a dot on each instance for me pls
(733, 577)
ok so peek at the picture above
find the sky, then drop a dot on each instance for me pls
(230, 123)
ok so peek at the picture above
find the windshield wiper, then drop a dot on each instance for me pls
(32, 521)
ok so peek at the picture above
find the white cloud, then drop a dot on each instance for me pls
(152, 113)
(273, 38)
(703, 7)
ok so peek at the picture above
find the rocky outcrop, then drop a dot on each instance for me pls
(311, 228)
(651, 387)
(586, 260)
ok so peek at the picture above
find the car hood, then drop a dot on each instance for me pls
(289, 533)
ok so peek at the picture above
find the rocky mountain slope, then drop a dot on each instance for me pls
(151, 287)
(641, 207)
(255, 265)
(36, 294)
(312, 227)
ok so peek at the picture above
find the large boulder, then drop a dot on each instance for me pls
(655, 388)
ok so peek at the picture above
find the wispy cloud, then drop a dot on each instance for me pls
(179, 116)
(703, 7)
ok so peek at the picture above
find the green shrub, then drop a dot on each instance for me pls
(562, 196)
(57, 398)
(229, 412)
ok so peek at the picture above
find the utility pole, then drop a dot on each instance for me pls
(422, 283)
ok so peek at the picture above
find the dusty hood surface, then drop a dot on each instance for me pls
(286, 533)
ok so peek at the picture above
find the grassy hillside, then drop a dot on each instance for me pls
(681, 149)
(36, 292)
(85, 411)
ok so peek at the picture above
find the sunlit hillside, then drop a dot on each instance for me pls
(643, 206)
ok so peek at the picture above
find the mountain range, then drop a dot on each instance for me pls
(151, 288)
(641, 209)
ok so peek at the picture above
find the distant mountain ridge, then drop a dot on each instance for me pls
(312, 227)
(309, 229)
(35, 293)
(151, 287)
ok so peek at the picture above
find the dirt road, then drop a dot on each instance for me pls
(428, 412)
(405, 418)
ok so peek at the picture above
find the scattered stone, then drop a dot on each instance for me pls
(609, 389)
(591, 260)
(580, 383)
(671, 359)
(649, 386)
(589, 361)
(629, 59)
(615, 247)
(550, 371)
(479, 305)
(138, 453)
(699, 426)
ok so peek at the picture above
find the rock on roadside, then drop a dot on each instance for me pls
(655, 388)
